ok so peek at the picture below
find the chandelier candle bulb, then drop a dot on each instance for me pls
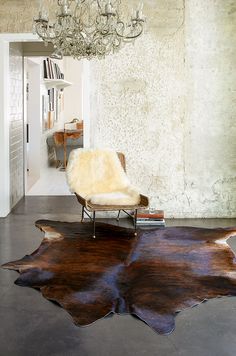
(43, 16)
(140, 6)
(64, 10)
(140, 11)
(108, 8)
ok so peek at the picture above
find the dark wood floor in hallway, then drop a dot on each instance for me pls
(33, 326)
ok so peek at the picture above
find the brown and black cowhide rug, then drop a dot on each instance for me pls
(153, 276)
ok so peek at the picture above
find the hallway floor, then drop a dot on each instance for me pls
(33, 326)
(51, 182)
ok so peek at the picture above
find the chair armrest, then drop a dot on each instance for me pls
(81, 200)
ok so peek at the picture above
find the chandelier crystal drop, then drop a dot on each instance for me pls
(88, 28)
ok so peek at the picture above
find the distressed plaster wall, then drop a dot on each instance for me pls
(169, 103)
(210, 123)
(17, 15)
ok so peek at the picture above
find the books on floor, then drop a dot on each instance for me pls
(150, 217)
(150, 214)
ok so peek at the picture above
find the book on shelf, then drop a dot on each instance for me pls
(48, 62)
(51, 96)
(50, 122)
(51, 70)
(45, 69)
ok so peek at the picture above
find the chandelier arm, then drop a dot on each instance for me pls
(112, 44)
(103, 29)
(42, 32)
(108, 27)
(132, 37)
(129, 36)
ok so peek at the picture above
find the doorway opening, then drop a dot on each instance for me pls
(54, 112)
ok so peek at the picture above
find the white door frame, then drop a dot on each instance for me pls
(5, 40)
(4, 131)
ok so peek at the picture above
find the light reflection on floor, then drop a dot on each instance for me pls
(51, 182)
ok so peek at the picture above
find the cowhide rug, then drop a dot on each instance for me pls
(153, 276)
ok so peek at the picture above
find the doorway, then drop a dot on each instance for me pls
(27, 133)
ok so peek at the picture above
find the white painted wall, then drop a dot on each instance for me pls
(73, 71)
(4, 130)
(77, 97)
(86, 109)
(34, 119)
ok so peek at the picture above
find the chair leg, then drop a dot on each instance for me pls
(82, 218)
(135, 222)
(94, 225)
(118, 217)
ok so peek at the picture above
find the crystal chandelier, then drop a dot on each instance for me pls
(88, 28)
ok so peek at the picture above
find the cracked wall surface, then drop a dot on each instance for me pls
(169, 103)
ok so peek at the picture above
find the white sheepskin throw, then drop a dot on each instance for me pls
(98, 176)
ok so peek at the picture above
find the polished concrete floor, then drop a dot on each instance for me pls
(33, 326)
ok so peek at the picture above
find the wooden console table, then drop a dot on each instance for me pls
(70, 134)
(61, 137)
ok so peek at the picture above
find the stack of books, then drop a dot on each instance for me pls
(52, 70)
(150, 217)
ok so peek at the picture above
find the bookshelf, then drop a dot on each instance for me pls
(54, 83)
(57, 83)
